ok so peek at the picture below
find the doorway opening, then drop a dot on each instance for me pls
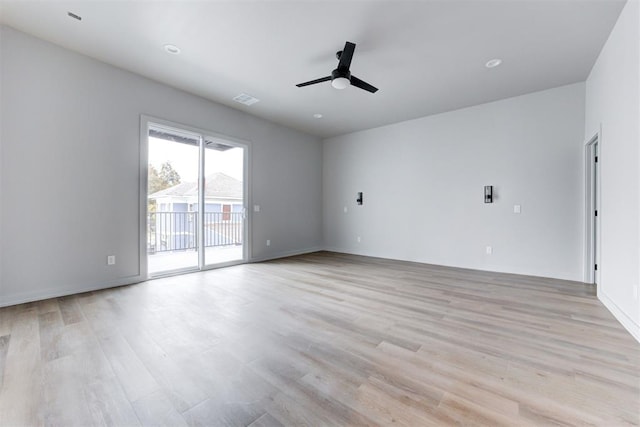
(195, 200)
(592, 197)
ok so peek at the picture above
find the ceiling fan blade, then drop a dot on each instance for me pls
(346, 56)
(363, 85)
(312, 82)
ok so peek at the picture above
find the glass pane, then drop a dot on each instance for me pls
(224, 202)
(172, 217)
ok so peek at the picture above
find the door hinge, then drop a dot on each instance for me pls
(596, 212)
(596, 159)
(596, 267)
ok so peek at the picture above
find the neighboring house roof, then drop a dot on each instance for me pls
(217, 186)
(177, 190)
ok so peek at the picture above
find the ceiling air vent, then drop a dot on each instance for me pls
(245, 99)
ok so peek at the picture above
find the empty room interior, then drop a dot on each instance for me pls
(323, 213)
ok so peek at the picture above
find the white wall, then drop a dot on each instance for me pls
(69, 172)
(612, 103)
(423, 187)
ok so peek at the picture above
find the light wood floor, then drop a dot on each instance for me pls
(321, 339)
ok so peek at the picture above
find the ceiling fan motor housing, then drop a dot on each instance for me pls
(340, 73)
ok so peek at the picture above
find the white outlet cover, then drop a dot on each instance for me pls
(489, 250)
(516, 209)
(346, 209)
(256, 208)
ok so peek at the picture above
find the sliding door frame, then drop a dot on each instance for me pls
(145, 122)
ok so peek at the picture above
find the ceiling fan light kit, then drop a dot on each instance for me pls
(341, 77)
(340, 83)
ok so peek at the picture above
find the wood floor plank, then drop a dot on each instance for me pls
(172, 376)
(4, 348)
(266, 420)
(157, 410)
(70, 310)
(21, 397)
(108, 403)
(134, 376)
(224, 413)
(64, 394)
(51, 330)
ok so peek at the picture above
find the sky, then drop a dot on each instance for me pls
(184, 159)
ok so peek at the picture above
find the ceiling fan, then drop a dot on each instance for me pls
(341, 77)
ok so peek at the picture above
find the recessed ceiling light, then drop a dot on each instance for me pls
(493, 63)
(317, 116)
(172, 49)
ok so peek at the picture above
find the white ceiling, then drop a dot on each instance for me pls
(426, 57)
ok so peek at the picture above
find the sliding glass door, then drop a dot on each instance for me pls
(196, 209)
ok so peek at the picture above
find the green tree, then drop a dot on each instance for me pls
(166, 177)
(169, 175)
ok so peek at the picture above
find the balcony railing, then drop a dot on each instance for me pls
(178, 231)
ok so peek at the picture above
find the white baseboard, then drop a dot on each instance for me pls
(354, 252)
(40, 295)
(625, 320)
(463, 267)
(286, 254)
(56, 293)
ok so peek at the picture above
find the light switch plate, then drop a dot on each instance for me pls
(516, 209)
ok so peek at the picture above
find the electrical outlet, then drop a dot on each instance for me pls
(358, 239)
(256, 208)
(268, 242)
(346, 209)
(516, 209)
(111, 260)
(489, 250)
